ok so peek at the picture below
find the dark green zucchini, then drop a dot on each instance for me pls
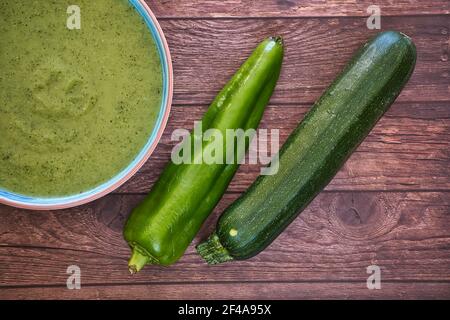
(316, 150)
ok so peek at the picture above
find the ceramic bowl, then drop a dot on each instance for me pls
(37, 203)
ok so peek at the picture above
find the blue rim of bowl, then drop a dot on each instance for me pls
(30, 202)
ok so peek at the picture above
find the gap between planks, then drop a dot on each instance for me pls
(174, 283)
(118, 193)
(208, 18)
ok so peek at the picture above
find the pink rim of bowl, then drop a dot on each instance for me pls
(34, 203)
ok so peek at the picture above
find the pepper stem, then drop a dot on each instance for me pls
(137, 261)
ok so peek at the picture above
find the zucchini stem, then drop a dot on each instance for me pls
(213, 251)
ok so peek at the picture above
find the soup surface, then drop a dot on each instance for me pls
(76, 105)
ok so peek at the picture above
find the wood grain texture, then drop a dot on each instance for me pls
(335, 239)
(206, 53)
(409, 149)
(249, 290)
(292, 8)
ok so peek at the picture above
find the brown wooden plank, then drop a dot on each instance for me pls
(292, 8)
(207, 52)
(409, 149)
(335, 239)
(258, 291)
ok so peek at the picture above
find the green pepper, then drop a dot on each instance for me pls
(160, 229)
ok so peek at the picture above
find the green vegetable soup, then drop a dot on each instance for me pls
(76, 105)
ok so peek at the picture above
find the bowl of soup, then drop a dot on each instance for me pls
(85, 95)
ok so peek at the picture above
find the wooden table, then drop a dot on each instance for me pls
(389, 205)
